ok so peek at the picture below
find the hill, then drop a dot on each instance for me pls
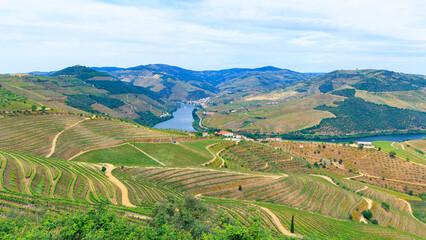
(133, 169)
(177, 83)
(370, 80)
(84, 90)
(362, 102)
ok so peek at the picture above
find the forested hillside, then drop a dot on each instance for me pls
(177, 83)
(84, 90)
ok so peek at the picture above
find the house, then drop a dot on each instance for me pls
(225, 134)
(191, 134)
(205, 134)
(365, 144)
(208, 113)
(277, 139)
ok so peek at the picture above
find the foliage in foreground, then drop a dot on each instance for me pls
(175, 219)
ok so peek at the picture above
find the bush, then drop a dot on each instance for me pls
(385, 206)
(103, 169)
(367, 214)
(423, 196)
(375, 222)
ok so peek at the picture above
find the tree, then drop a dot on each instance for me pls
(33, 108)
(43, 108)
(423, 196)
(367, 214)
(385, 206)
(380, 149)
(375, 222)
(316, 165)
(392, 154)
(103, 169)
(292, 224)
(240, 188)
(351, 141)
(340, 161)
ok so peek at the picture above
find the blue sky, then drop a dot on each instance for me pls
(302, 35)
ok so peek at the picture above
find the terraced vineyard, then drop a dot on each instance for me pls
(325, 228)
(381, 168)
(55, 178)
(398, 216)
(258, 157)
(306, 223)
(98, 133)
(33, 133)
(308, 193)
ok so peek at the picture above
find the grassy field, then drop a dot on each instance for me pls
(200, 146)
(123, 155)
(403, 150)
(414, 100)
(278, 118)
(174, 154)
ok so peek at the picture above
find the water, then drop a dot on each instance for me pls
(391, 138)
(182, 119)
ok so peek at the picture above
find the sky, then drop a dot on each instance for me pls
(301, 35)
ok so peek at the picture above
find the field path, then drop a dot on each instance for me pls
(158, 161)
(362, 189)
(200, 122)
(55, 139)
(278, 224)
(410, 210)
(370, 205)
(124, 191)
(212, 153)
(326, 178)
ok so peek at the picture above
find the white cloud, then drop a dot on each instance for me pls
(304, 35)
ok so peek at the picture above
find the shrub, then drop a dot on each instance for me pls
(375, 222)
(103, 169)
(367, 214)
(385, 206)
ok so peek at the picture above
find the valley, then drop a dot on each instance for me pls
(81, 139)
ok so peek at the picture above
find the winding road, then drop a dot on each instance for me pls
(55, 139)
(278, 224)
(124, 191)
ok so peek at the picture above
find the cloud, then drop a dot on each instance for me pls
(304, 35)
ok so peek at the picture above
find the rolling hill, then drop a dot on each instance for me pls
(67, 163)
(363, 102)
(84, 90)
(177, 83)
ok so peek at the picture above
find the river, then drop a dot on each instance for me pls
(182, 119)
(391, 138)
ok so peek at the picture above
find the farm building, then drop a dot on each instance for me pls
(225, 134)
(277, 139)
(365, 144)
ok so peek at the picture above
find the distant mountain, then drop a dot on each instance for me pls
(370, 80)
(176, 83)
(83, 89)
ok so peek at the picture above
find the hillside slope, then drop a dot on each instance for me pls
(84, 90)
(369, 102)
(177, 83)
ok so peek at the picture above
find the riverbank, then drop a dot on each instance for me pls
(182, 119)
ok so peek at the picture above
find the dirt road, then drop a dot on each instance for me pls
(55, 139)
(124, 191)
(278, 224)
